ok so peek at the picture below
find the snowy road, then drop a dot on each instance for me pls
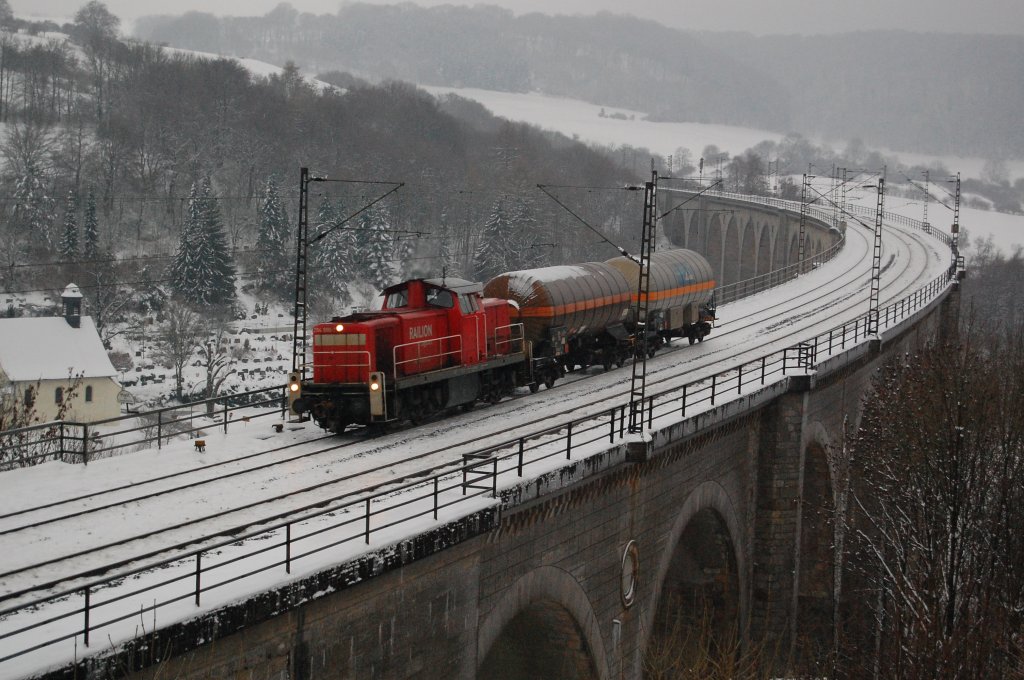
(247, 478)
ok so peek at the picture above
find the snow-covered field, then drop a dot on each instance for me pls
(580, 119)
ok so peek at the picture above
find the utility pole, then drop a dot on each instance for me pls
(804, 210)
(639, 381)
(954, 230)
(927, 200)
(842, 205)
(302, 252)
(876, 261)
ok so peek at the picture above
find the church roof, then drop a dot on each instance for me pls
(47, 348)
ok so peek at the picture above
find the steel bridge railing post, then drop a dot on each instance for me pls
(519, 464)
(199, 571)
(436, 481)
(368, 519)
(288, 547)
(568, 442)
(85, 630)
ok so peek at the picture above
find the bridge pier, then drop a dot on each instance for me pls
(777, 524)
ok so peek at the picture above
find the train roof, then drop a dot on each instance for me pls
(456, 285)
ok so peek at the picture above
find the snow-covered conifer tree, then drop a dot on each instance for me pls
(378, 247)
(449, 255)
(220, 288)
(90, 228)
(527, 250)
(331, 256)
(33, 207)
(69, 236)
(202, 272)
(405, 253)
(272, 262)
(495, 251)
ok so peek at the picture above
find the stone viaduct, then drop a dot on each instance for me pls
(722, 521)
(743, 240)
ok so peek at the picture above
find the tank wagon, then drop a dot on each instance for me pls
(583, 315)
(437, 344)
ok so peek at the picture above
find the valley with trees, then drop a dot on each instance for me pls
(165, 186)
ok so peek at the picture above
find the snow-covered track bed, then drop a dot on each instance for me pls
(403, 483)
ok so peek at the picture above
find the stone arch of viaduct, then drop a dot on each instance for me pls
(742, 240)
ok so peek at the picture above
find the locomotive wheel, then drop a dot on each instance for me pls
(651, 351)
(607, 363)
(691, 339)
(549, 380)
(534, 387)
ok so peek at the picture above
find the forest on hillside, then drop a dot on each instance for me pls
(144, 174)
(933, 93)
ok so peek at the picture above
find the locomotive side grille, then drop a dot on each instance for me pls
(340, 340)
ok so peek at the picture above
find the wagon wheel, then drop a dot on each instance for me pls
(534, 386)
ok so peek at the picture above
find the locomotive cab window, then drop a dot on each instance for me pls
(439, 297)
(467, 303)
(399, 298)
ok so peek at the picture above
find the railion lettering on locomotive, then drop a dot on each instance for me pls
(418, 332)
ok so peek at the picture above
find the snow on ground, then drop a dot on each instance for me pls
(580, 119)
(254, 66)
(1005, 230)
(765, 322)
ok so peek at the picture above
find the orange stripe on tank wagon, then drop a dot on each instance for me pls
(546, 312)
(673, 292)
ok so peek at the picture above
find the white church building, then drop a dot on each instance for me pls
(47, 361)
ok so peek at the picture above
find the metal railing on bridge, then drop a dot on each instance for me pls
(73, 442)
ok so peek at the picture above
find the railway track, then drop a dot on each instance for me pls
(355, 462)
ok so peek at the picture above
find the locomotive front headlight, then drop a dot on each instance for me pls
(374, 386)
(294, 387)
(340, 327)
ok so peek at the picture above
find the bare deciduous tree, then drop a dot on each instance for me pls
(178, 341)
(938, 501)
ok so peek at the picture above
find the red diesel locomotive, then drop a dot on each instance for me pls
(434, 345)
(440, 343)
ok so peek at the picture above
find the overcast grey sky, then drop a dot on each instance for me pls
(756, 16)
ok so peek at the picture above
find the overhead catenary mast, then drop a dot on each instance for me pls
(647, 238)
